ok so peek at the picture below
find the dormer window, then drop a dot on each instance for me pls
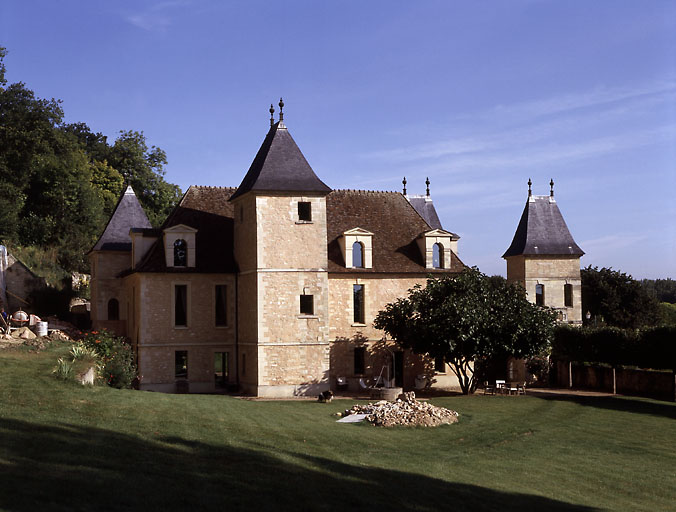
(180, 253)
(180, 246)
(357, 248)
(358, 255)
(436, 246)
(304, 211)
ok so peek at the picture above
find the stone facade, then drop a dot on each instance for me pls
(281, 256)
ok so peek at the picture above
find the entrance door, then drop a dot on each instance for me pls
(399, 369)
(221, 370)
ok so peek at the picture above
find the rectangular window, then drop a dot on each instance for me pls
(568, 295)
(439, 364)
(181, 305)
(359, 359)
(358, 303)
(540, 294)
(307, 305)
(181, 364)
(221, 305)
(304, 211)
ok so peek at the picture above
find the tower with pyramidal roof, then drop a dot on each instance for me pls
(545, 259)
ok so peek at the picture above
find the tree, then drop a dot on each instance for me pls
(616, 299)
(468, 318)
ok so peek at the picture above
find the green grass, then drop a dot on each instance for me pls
(67, 447)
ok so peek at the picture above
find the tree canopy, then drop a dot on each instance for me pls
(467, 318)
(614, 298)
(61, 181)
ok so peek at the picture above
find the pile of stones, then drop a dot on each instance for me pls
(406, 411)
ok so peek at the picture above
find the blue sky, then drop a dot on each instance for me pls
(479, 96)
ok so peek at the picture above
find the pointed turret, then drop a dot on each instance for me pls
(128, 214)
(542, 231)
(279, 166)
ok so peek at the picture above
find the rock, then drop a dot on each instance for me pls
(24, 333)
(406, 410)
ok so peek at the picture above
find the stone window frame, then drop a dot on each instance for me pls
(438, 253)
(347, 241)
(306, 305)
(304, 212)
(188, 307)
(446, 240)
(178, 232)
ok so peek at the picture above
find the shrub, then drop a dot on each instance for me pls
(116, 365)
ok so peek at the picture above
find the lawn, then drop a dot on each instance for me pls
(67, 447)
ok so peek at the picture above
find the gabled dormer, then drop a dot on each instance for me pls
(357, 247)
(179, 246)
(436, 246)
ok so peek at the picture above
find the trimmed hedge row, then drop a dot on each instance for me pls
(653, 347)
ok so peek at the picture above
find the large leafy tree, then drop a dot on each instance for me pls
(61, 181)
(467, 318)
(616, 299)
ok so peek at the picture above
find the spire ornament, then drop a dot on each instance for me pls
(281, 113)
(404, 183)
(427, 182)
(272, 115)
(551, 186)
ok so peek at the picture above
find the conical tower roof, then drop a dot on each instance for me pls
(542, 231)
(280, 166)
(128, 214)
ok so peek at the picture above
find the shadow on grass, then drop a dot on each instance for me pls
(617, 403)
(69, 467)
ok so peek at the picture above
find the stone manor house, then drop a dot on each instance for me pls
(273, 286)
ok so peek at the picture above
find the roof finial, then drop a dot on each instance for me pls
(551, 186)
(427, 182)
(281, 113)
(404, 182)
(530, 192)
(272, 115)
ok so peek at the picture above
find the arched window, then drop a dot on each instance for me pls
(180, 253)
(438, 255)
(358, 255)
(113, 309)
(540, 294)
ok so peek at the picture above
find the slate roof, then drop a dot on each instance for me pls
(279, 165)
(542, 231)
(128, 214)
(395, 224)
(208, 210)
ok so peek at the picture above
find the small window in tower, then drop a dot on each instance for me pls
(304, 211)
(568, 295)
(540, 294)
(180, 253)
(438, 255)
(358, 255)
(113, 309)
(359, 360)
(307, 305)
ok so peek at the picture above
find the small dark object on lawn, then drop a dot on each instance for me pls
(325, 396)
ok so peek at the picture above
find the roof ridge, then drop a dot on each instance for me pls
(362, 191)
